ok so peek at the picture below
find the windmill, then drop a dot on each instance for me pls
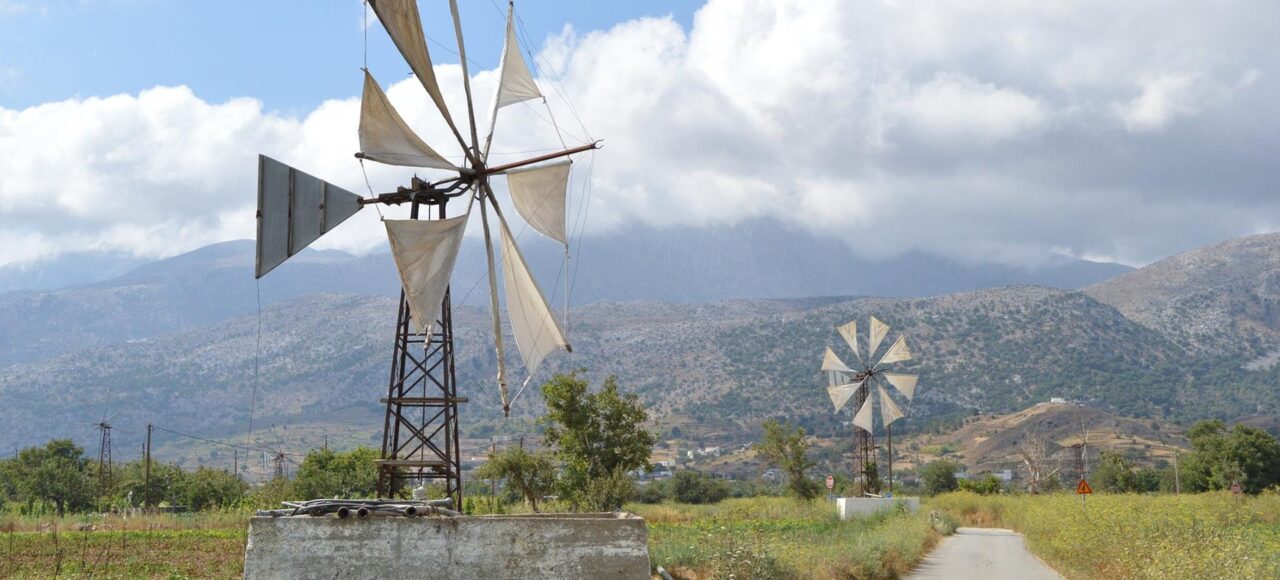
(866, 384)
(420, 432)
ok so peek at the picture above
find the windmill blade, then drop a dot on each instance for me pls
(535, 328)
(386, 138)
(864, 417)
(403, 24)
(889, 410)
(495, 314)
(425, 252)
(840, 394)
(832, 363)
(896, 353)
(295, 209)
(850, 333)
(539, 194)
(515, 84)
(466, 75)
(878, 332)
(906, 384)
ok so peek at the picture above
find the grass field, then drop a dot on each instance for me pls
(199, 546)
(783, 538)
(1212, 535)
(738, 538)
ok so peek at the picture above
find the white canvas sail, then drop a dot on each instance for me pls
(863, 419)
(536, 331)
(403, 24)
(840, 394)
(539, 196)
(425, 252)
(515, 84)
(850, 333)
(878, 332)
(386, 138)
(906, 384)
(898, 352)
(889, 410)
(831, 362)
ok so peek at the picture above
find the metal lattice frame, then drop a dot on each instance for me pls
(420, 431)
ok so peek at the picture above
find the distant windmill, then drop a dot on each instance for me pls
(866, 384)
(420, 436)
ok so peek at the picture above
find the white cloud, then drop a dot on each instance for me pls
(1162, 98)
(990, 131)
(957, 109)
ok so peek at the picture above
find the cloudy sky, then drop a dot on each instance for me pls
(1001, 130)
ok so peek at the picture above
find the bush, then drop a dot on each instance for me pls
(940, 477)
(651, 492)
(696, 487)
(985, 485)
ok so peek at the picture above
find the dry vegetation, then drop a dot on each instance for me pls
(784, 538)
(1211, 535)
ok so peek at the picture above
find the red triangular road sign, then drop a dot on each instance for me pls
(1083, 488)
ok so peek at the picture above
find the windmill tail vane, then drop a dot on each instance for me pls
(295, 208)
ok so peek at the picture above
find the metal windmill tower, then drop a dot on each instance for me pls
(866, 384)
(104, 458)
(420, 434)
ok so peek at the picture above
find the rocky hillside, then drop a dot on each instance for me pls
(721, 367)
(1221, 299)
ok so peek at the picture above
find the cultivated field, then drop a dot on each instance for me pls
(1211, 535)
(783, 538)
(741, 538)
(206, 545)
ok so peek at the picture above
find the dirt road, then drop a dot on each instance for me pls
(984, 554)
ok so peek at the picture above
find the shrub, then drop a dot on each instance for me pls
(696, 487)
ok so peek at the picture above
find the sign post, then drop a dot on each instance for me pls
(831, 485)
(1083, 490)
(1235, 488)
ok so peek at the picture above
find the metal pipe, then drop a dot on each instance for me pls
(362, 512)
(344, 512)
(549, 156)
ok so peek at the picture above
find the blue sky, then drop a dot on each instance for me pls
(999, 131)
(290, 54)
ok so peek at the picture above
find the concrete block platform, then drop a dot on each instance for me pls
(849, 507)
(605, 545)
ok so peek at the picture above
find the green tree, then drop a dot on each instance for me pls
(325, 473)
(165, 479)
(787, 448)
(940, 477)
(208, 488)
(1114, 474)
(56, 473)
(689, 486)
(532, 474)
(598, 437)
(1220, 457)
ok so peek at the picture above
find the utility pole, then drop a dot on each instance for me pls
(146, 470)
(1177, 481)
(235, 462)
(493, 484)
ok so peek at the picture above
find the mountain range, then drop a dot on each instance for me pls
(179, 343)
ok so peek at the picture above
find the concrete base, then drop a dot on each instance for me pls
(609, 545)
(849, 507)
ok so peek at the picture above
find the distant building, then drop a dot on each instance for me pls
(1004, 475)
(1059, 400)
